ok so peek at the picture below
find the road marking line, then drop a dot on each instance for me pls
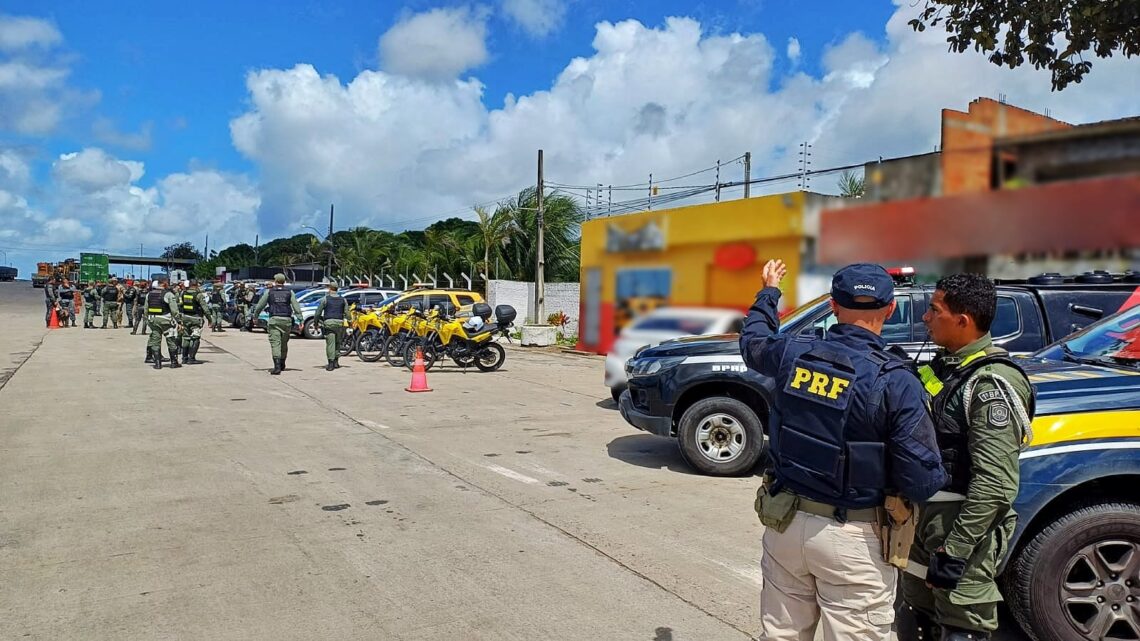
(511, 474)
(372, 424)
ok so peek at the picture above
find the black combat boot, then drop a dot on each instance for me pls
(958, 634)
(282, 363)
(330, 367)
(914, 625)
(156, 357)
(191, 357)
(278, 365)
(149, 355)
(336, 363)
(174, 364)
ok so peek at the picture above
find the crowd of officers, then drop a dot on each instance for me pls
(178, 313)
(882, 468)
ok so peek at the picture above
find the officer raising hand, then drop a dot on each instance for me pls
(848, 428)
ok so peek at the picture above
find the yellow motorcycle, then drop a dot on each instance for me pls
(465, 343)
(371, 328)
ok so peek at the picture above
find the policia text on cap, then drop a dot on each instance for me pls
(848, 427)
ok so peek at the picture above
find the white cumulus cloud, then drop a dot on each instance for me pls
(794, 50)
(537, 17)
(439, 44)
(18, 32)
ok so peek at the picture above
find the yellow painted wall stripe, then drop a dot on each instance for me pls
(1084, 426)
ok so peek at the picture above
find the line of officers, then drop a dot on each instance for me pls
(879, 466)
(119, 303)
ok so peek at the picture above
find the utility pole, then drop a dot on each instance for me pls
(805, 164)
(718, 180)
(747, 173)
(206, 251)
(328, 272)
(256, 250)
(650, 207)
(540, 259)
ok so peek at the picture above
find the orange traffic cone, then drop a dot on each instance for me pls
(419, 375)
(54, 322)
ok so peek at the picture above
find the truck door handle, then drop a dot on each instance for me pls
(1087, 311)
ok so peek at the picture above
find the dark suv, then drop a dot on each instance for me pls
(698, 390)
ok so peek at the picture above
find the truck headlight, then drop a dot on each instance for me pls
(647, 366)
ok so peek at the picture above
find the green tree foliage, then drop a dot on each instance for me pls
(852, 186)
(1050, 34)
(500, 244)
(182, 250)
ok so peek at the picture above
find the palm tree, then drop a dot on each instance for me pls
(852, 186)
(495, 231)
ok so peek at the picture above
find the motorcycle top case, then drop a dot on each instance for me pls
(505, 314)
(482, 310)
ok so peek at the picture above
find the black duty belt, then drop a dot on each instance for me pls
(830, 511)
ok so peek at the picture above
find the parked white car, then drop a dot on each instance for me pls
(661, 325)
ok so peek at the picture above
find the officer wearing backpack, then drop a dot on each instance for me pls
(848, 432)
(130, 297)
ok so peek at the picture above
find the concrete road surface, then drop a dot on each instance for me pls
(218, 502)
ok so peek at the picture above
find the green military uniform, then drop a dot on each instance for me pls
(333, 329)
(140, 311)
(982, 406)
(280, 324)
(194, 309)
(111, 297)
(162, 315)
(217, 306)
(130, 299)
(90, 300)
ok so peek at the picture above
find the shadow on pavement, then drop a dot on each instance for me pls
(607, 404)
(647, 450)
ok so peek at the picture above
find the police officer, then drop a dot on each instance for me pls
(111, 296)
(982, 405)
(90, 302)
(847, 426)
(217, 306)
(283, 311)
(330, 316)
(247, 295)
(51, 299)
(66, 300)
(130, 297)
(162, 311)
(194, 310)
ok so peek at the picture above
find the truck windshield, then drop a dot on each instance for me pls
(1115, 339)
(796, 318)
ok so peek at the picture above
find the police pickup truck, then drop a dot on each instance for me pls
(698, 390)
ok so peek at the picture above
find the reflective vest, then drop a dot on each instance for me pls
(279, 298)
(820, 450)
(155, 303)
(190, 305)
(953, 435)
(334, 308)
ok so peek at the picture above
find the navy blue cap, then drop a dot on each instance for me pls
(862, 279)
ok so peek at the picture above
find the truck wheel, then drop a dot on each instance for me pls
(721, 436)
(1079, 578)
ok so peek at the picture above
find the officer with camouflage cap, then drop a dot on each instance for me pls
(284, 311)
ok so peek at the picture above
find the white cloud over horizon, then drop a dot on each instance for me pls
(538, 18)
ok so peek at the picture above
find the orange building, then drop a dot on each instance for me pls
(704, 256)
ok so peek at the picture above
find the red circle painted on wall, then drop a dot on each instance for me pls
(734, 256)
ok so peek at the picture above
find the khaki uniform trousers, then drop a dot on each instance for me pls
(819, 570)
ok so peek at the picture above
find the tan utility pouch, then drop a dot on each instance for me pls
(896, 526)
(776, 512)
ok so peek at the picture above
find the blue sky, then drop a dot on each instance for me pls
(182, 66)
(129, 122)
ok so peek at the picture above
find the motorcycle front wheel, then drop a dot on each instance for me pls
(370, 346)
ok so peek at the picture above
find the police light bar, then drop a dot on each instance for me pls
(901, 271)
